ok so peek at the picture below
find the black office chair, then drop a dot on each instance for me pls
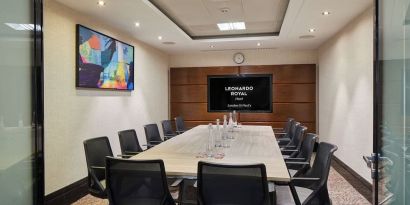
(284, 139)
(180, 125)
(310, 187)
(152, 135)
(96, 149)
(294, 146)
(285, 129)
(129, 143)
(167, 129)
(301, 162)
(131, 182)
(232, 184)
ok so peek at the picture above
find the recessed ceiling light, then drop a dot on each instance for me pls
(159, 37)
(101, 3)
(137, 24)
(325, 13)
(311, 30)
(231, 26)
(258, 44)
(212, 46)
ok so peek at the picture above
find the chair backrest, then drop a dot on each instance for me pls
(129, 141)
(308, 143)
(232, 184)
(292, 129)
(167, 127)
(152, 133)
(298, 136)
(180, 124)
(288, 124)
(321, 166)
(96, 149)
(137, 182)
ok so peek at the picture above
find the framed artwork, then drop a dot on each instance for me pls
(103, 62)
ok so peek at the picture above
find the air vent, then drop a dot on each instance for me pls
(168, 43)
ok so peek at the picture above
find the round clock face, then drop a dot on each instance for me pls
(238, 58)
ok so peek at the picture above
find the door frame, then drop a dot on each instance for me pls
(37, 104)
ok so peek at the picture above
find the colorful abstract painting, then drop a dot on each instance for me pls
(103, 62)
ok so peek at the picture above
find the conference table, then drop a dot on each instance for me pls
(251, 144)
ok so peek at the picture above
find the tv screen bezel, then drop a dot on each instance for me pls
(77, 54)
(240, 76)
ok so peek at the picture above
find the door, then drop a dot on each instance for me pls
(391, 166)
(21, 163)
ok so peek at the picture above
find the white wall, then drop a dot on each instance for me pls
(252, 57)
(346, 92)
(73, 115)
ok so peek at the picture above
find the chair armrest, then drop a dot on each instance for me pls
(295, 158)
(283, 139)
(304, 179)
(289, 150)
(96, 167)
(297, 163)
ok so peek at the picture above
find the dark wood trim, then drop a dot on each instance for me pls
(354, 179)
(69, 194)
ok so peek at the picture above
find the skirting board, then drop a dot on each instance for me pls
(357, 181)
(68, 194)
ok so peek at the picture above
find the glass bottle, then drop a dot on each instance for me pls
(210, 145)
(234, 119)
(218, 135)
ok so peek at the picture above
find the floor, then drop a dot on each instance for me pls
(341, 193)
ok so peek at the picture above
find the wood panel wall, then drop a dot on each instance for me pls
(294, 94)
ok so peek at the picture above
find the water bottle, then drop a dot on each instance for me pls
(225, 141)
(210, 145)
(218, 135)
(230, 127)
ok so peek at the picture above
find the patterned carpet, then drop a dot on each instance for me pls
(341, 193)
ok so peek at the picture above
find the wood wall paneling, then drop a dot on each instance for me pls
(303, 73)
(195, 76)
(189, 93)
(294, 94)
(290, 93)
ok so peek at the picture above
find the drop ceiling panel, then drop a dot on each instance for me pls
(199, 18)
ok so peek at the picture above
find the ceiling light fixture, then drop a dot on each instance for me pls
(159, 37)
(231, 26)
(325, 13)
(311, 30)
(101, 3)
(137, 24)
(258, 44)
(212, 46)
(21, 26)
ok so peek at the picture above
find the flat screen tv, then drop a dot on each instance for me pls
(103, 62)
(244, 93)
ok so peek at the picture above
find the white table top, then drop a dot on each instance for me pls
(252, 144)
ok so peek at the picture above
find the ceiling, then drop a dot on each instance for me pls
(199, 18)
(301, 15)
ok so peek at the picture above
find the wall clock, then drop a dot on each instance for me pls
(238, 58)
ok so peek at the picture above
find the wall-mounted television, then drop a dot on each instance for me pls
(244, 93)
(103, 62)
